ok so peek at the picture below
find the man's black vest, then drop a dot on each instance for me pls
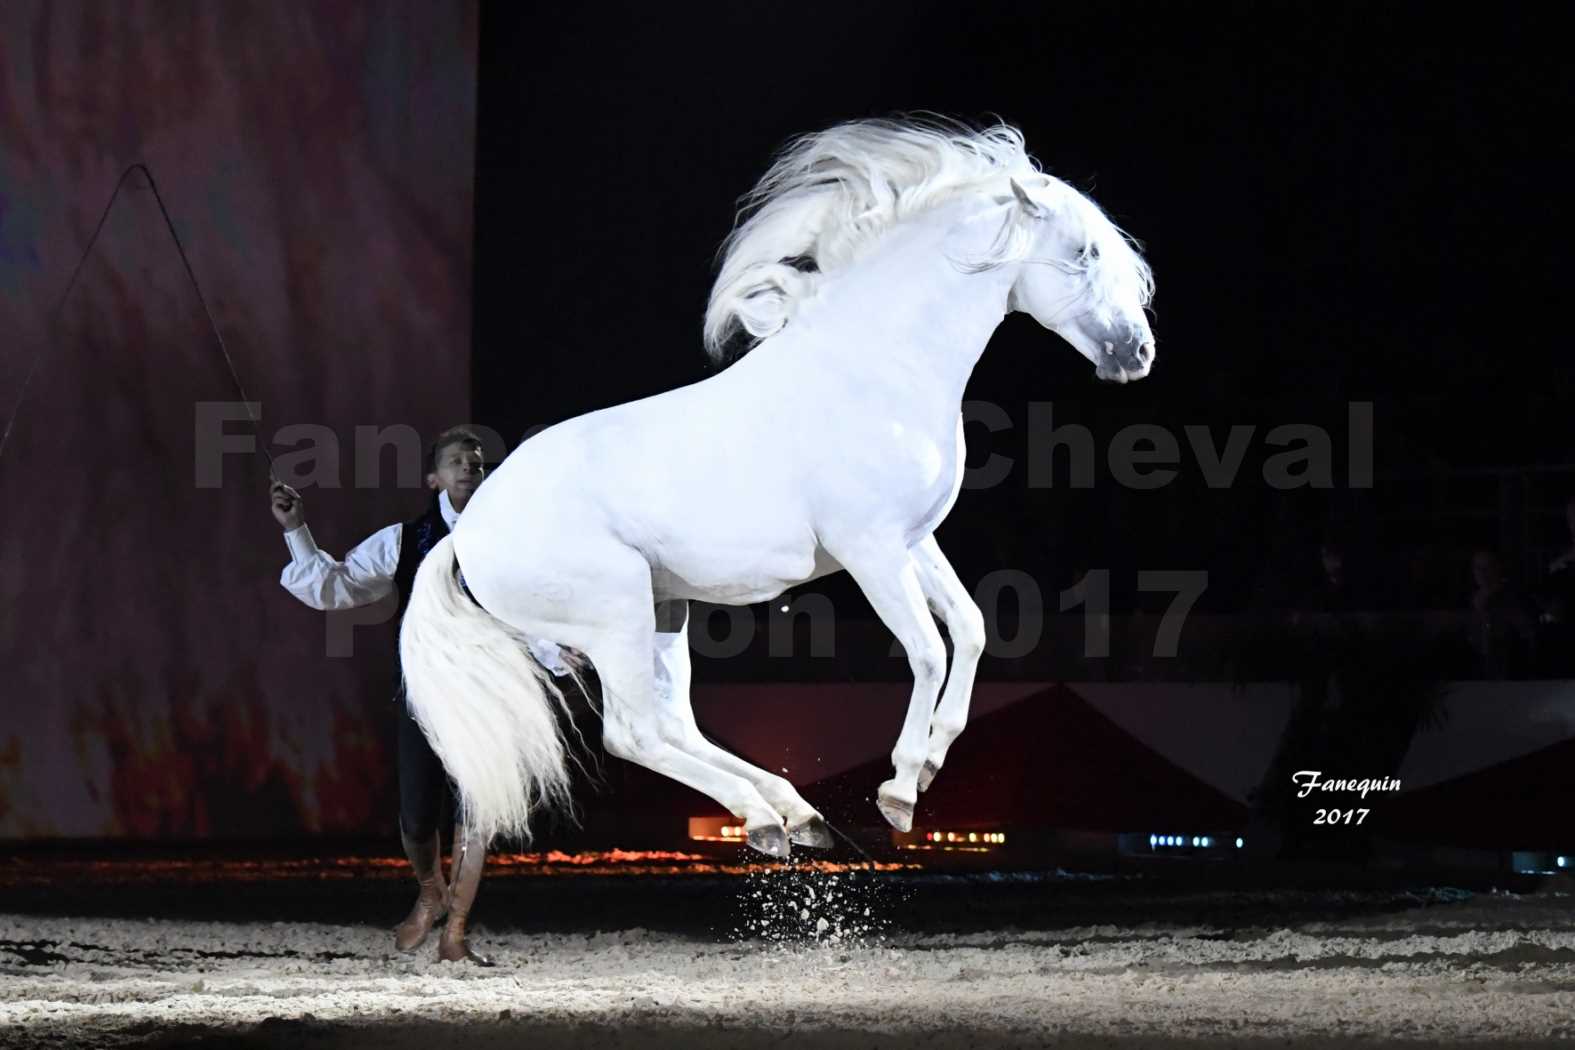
(416, 540)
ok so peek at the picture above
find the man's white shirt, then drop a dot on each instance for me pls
(367, 575)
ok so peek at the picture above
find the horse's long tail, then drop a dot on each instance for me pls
(483, 701)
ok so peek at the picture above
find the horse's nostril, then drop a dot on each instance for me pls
(1145, 353)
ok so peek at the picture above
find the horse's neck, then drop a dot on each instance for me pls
(908, 318)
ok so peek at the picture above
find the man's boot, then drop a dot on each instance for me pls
(470, 856)
(430, 905)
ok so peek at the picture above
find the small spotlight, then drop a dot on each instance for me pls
(1196, 841)
(1205, 841)
(784, 608)
(1564, 862)
(1239, 843)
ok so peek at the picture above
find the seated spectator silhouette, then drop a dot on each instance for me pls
(1340, 587)
(1502, 620)
(1561, 570)
(1557, 598)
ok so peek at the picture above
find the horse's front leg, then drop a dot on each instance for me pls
(889, 578)
(953, 604)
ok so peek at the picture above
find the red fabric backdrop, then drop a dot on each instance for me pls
(318, 161)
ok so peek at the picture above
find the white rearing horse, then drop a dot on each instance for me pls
(835, 443)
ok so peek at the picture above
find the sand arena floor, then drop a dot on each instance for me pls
(805, 959)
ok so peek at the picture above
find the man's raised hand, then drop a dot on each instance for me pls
(289, 510)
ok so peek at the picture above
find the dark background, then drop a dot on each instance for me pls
(1341, 202)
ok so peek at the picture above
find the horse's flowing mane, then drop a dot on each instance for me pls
(832, 195)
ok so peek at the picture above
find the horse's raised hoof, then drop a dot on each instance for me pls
(898, 813)
(813, 833)
(927, 774)
(772, 840)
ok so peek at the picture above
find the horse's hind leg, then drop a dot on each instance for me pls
(805, 826)
(596, 596)
(620, 647)
(952, 603)
(632, 730)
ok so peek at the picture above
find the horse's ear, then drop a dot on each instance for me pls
(1034, 209)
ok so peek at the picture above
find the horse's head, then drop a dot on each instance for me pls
(1082, 279)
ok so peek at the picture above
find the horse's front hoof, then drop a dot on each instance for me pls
(813, 833)
(927, 774)
(772, 840)
(898, 812)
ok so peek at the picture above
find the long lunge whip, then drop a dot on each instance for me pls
(191, 275)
